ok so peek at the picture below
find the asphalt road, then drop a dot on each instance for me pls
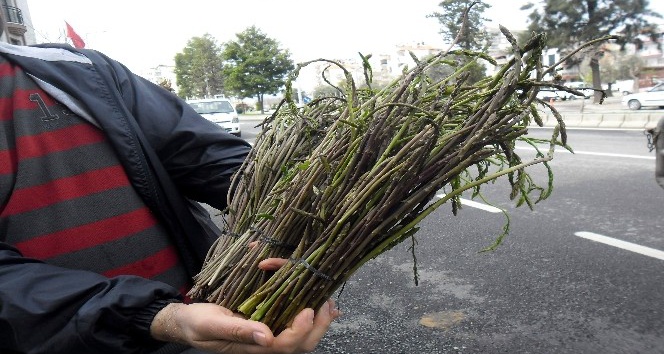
(561, 282)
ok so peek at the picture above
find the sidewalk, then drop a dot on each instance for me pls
(253, 117)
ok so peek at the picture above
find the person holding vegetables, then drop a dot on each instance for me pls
(101, 232)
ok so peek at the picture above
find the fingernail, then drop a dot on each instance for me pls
(310, 315)
(259, 338)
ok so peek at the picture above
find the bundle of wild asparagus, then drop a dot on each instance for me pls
(344, 179)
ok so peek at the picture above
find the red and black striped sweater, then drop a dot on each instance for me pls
(173, 159)
(65, 198)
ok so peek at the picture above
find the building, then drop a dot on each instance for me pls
(652, 57)
(161, 73)
(501, 50)
(18, 24)
(384, 66)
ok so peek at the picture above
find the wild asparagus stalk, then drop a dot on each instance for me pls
(369, 178)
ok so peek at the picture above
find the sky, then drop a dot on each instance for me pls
(146, 33)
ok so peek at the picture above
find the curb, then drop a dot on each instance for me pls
(611, 120)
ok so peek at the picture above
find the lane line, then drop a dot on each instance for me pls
(559, 149)
(646, 251)
(474, 204)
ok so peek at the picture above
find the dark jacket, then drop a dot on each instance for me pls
(172, 156)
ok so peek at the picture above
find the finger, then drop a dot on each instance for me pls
(272, 264)
(217, 326)
(334, 311)
(226, 311)
(244, 331)
(253, 244)
(306, 331)
(324, 317)
(291, 338)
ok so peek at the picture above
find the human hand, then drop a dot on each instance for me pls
(216, 329)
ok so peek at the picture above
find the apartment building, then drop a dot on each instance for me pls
(18, 24)
(384, 66)
(651, 55)
(652, 58)
(160, 73)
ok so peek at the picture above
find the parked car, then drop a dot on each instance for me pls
(548, 95)
(653, 97)
(562, 95)
(625, 87)
(219, 110)
(579, 86)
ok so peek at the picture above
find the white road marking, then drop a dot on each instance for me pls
(646, 251)
(475, 204)
(559, 149)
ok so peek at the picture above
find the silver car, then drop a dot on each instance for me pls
(654, 97)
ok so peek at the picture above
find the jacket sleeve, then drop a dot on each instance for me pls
(48, 309)
(199, 156)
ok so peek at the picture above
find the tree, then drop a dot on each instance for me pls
(326, 91)
(198, 69)
(616, 66)
(630, 67)
(568, 24)
(166, 84)
(254, 65)
(474, 35)
(470, 34)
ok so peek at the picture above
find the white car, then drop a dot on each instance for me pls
(218, 110)
(562, 95)
(548, 95)
(583, 88)
(654, 97)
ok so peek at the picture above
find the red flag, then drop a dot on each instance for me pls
(76, 40)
